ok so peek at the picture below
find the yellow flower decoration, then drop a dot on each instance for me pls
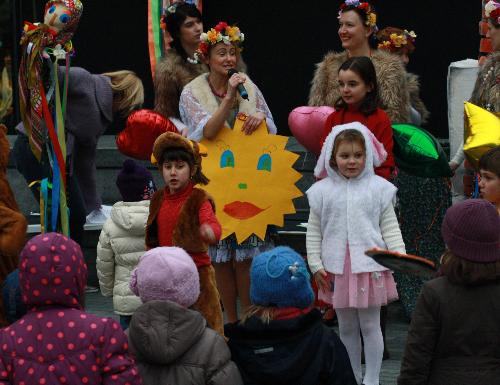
(233, 33)
(221, 32)
(385, 45)
(371, 19)
(398, 40)
(213, 36)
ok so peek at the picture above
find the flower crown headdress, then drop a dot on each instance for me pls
(371, 16)
(222, 32)
(397, 41)
(492, 11)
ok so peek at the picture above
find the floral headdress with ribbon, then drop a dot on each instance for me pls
(492, 11)
(42, 101)
(371, 16)
(171, 9)
(395, 40)
(222, 32)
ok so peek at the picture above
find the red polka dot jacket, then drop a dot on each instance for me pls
(56, 342)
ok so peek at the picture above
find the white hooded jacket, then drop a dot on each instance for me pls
(120, 246)
(351, 211)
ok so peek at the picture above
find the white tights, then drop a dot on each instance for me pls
(368, 320)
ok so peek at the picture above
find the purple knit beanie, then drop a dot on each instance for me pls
(166, 273)
(135, 182)
(471, 230)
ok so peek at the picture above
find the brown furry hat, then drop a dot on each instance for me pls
(170, 141)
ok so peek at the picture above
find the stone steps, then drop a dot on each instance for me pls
(109, 161)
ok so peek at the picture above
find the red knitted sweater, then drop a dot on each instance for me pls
(167, 219)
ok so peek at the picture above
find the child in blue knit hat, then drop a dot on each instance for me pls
(281, 338)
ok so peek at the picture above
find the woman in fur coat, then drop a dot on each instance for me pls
(180, 65)
(402, 43)
(422, 202)
(357, 22)
(486, 93)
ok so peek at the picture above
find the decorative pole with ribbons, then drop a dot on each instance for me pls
(43, 104)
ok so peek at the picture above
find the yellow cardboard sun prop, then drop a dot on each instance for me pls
(251, 180)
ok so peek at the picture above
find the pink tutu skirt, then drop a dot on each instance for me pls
(360, 290)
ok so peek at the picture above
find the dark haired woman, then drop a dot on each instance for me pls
(357, 25)
(454, 336)
(359, 102)
(422, 202)
(180, 66)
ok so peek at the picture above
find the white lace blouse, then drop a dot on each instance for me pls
(195, 116)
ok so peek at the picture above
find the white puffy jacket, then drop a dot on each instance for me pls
(120, 246)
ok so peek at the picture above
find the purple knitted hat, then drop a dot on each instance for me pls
(135, 182)
(166, 273)
(471, 230)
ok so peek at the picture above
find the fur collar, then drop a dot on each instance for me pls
(414, 91)
(391, 80)
(487, 88)
(202, 92)
(172, 74)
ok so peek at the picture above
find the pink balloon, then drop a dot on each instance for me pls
(307, 125)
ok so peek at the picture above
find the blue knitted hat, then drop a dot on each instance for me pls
(279, 278)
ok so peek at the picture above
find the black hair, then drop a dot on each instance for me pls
(372, 39)
(174, 22)
(490, 161)
(172, 154)
(363, 67)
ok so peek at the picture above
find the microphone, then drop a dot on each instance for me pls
(241, 88)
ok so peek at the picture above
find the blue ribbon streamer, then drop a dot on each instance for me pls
(56, 187)
(44, 190)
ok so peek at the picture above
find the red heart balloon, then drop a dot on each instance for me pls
(307, 125)
(142, 128)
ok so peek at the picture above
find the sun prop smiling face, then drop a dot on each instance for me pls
(251, 180)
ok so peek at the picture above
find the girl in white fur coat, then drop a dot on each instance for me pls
(352, 211)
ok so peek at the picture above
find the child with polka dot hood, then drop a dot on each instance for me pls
(57, 342)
